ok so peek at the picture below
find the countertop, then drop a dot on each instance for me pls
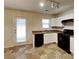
(46, 31)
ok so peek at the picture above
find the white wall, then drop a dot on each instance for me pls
(69, 14)
(34, 22)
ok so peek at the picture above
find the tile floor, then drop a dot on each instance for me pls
(51, 51)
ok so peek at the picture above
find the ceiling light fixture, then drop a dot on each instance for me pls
(41, 4)
(50, 3)
(53, 4)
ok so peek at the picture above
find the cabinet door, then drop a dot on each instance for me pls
(50, 38)
(72, 44)
(55, 22)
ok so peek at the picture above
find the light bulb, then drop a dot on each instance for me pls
(52, 6)
(41, 4)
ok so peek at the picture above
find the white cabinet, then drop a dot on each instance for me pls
(50, 37)
(72, 44)
(53, 20)
(56, 22)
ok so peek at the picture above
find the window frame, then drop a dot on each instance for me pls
(46, 23)
(25, 30)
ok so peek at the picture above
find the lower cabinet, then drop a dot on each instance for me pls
(72, 44)
(40, 39)
(50, 38)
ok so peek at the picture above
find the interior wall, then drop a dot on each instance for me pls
(69, 14)
(33, 23)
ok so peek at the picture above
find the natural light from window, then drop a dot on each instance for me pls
(20, 30)
(45, 23)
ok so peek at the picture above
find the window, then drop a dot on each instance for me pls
(20, 30)
(45, 23)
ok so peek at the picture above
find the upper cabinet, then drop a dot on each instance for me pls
(62, 24)
(64, 19)
(55, 23)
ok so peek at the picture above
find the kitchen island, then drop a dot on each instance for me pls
(43, 37)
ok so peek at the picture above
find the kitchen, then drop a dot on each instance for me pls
(57, 21)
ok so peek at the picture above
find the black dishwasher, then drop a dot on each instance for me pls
(39, 40)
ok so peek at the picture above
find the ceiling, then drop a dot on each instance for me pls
(33, 5)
